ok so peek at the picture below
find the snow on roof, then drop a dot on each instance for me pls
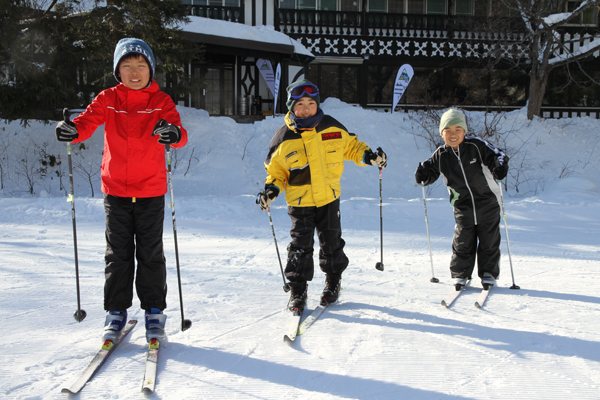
(234, 30)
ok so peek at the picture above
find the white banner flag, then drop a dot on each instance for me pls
(266, 70)
(405, 74)
(276, 91)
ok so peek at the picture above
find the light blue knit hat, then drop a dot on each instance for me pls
(133, 46)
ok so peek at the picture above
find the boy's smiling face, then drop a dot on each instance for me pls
(305, 107)
(453, 136)
(134, 72)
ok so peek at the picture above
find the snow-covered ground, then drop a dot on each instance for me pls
(388, 337)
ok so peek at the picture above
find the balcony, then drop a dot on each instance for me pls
(231, 14)
(365, 24)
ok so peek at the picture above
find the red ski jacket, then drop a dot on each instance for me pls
(133, 162)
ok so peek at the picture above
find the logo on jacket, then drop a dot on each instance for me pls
(474, 161)
(331, 135)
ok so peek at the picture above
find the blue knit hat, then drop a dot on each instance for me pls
(133, 46)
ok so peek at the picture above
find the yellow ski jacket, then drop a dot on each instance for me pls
(308, 164)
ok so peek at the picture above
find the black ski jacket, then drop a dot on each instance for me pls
(474, 193)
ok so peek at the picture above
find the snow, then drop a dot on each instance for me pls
(260, 33)
(587, 44)
(388, 337)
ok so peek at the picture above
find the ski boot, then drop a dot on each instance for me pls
(459, 283)
(155, 325)
(331, 291)
(298, 298)
(487, 281)
(115, 321)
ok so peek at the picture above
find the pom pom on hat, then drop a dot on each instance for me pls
(133, 46)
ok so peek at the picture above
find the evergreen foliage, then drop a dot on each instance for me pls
(63, 57)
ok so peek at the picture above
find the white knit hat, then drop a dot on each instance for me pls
(453, 117)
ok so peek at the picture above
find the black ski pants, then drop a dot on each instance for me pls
(332, 260)
(134, 231)
(481, 241)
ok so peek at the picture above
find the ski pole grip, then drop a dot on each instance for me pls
(258, 197)
(66, 114)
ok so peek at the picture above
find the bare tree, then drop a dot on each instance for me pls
(557, 33)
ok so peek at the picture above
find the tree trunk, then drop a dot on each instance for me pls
(537, 89)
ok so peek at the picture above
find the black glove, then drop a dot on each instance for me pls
(66, 131)
(265, 198)
(169, 133)
(421, 175)
(500, 170)
(378, 159)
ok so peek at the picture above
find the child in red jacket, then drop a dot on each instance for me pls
(134, 182)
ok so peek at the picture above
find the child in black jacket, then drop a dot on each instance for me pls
(471, 169)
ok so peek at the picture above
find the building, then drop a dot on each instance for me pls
(461, 51)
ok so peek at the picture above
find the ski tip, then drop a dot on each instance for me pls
(478, 305)
(67, 390)
(287, 339)
(147, 390)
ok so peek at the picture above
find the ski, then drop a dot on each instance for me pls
(450, 299)
(293, 325)
(313, 317)
(107, 348)
(483, 296)
(151, 364)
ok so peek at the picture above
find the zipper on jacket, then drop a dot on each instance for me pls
(457, 154)
(334, 195)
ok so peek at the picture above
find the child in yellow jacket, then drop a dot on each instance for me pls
(306, 159)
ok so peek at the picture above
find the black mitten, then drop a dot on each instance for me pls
(501, 169)
(66, 131)
(169, 133)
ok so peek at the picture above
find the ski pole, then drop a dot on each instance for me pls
(286, 287)
(514, 286)
(433, 278)
(80, 314)
(185, 323)
(379, 265)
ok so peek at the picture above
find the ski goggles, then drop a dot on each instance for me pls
(300, 91)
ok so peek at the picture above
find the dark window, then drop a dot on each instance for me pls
(350, 5)
(396, 6)
(330, 81)
(380, 84)
(378, 5)
(328, 5)
(436, 7)
(339, 81)
(464, 7)
(416, 6)
(307, 4)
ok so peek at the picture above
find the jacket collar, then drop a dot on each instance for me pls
(303, 124)
(150, 89)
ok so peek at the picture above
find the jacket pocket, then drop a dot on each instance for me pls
(295, 159)
(295, 195)
(334, 153)
(297, 165)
